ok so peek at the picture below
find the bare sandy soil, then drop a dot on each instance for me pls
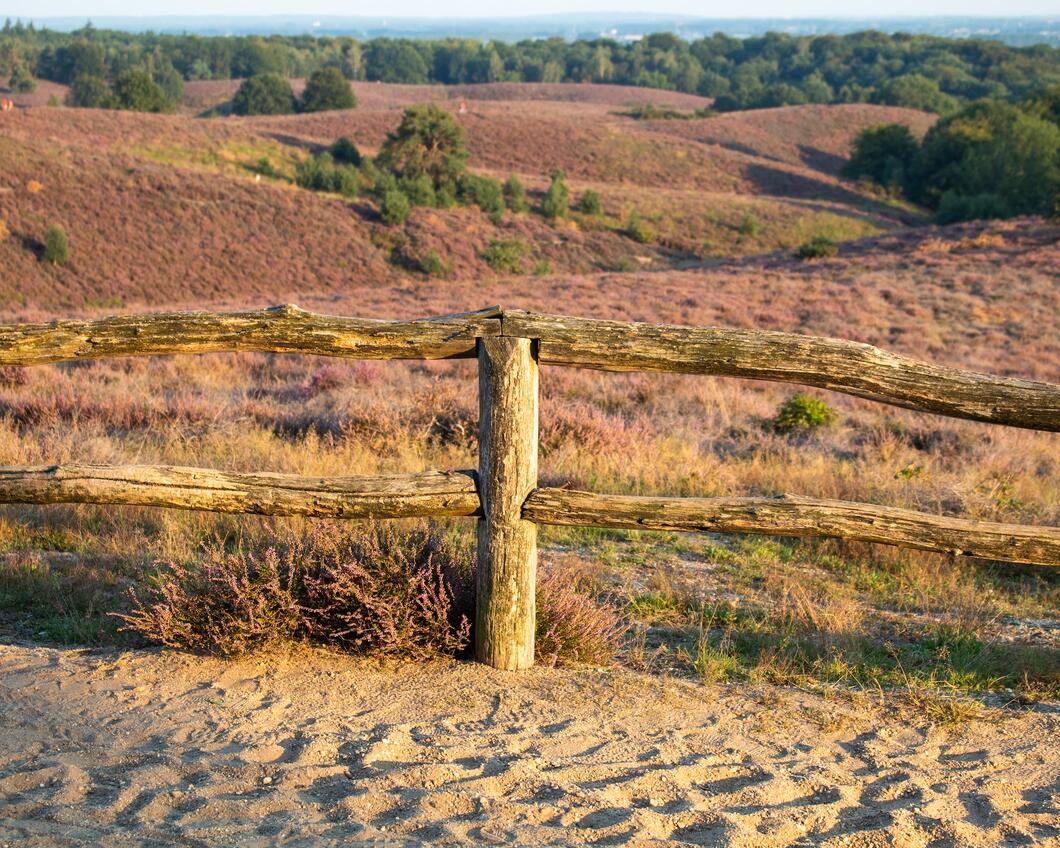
(159, 748)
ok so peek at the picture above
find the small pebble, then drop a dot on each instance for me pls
(266, 780)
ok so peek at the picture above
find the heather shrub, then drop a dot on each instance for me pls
(515, 194)
(370, 589)
(395, 208)
(56, 246)
(571, 625)
(557, 199)
(506, 255)
(590, 203)
(819, 247)
(802, 412)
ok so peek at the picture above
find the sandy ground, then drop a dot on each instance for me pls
(157, 748)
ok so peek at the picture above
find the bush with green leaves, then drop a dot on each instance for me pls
(22, 81)
(819, 247)
(326, 90)
(90, 92)
(322, 173)
(395, 208)
(136, 91)
(483, 192)
(56, 246)
(590, 203)
(885, 154)
(428, 141)
(346, 152)
(803, 413)
(749, 225)
(419, 190)
(637, 230)
(264, 94)
(992, 159)
(515, 194)
(556, 202)
(506, 255)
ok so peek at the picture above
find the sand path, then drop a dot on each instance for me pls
(153, 748)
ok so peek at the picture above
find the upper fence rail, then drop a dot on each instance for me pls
(839, 365)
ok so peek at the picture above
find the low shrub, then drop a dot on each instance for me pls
(484, 193)
(802, 412)
(637, 230)
(571, 625)
(819, 247)
(56, 246)
(346, 152)
(506, 255)
(419, 190)
(515, 194)
(321, 173)
(372, 590)
(265, 167)
(556, 202)
(395, 208)
(749, 225)
(365, 589)
(590, 203)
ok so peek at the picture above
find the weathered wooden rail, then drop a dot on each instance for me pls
(503, 493)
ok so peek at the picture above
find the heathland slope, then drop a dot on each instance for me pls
(166, 209)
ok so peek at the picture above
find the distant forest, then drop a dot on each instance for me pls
(922, 72)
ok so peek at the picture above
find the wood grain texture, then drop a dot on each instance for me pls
(279, 329)
(788, 515)
(430, 493)
(507, 543)
(836, 364)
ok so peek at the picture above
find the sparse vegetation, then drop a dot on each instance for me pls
(515, 194)
(323, 173)
(637, 229)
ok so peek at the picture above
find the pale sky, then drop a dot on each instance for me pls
(490, 8)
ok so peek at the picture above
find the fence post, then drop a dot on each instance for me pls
(507, 544)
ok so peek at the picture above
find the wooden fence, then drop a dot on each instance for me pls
(503, 493)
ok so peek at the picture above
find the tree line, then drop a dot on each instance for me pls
(922, 72)
(991, 159)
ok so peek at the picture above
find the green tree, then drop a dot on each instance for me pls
(992, 160)
(884, 154)
(136, 91)
(1045, 104)
(22, 81)
(556, 202)
(56, 246)
(346, 152)
(427, 141)
(327, 89)
(915, 91)
(88, 92)
(264, 94)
